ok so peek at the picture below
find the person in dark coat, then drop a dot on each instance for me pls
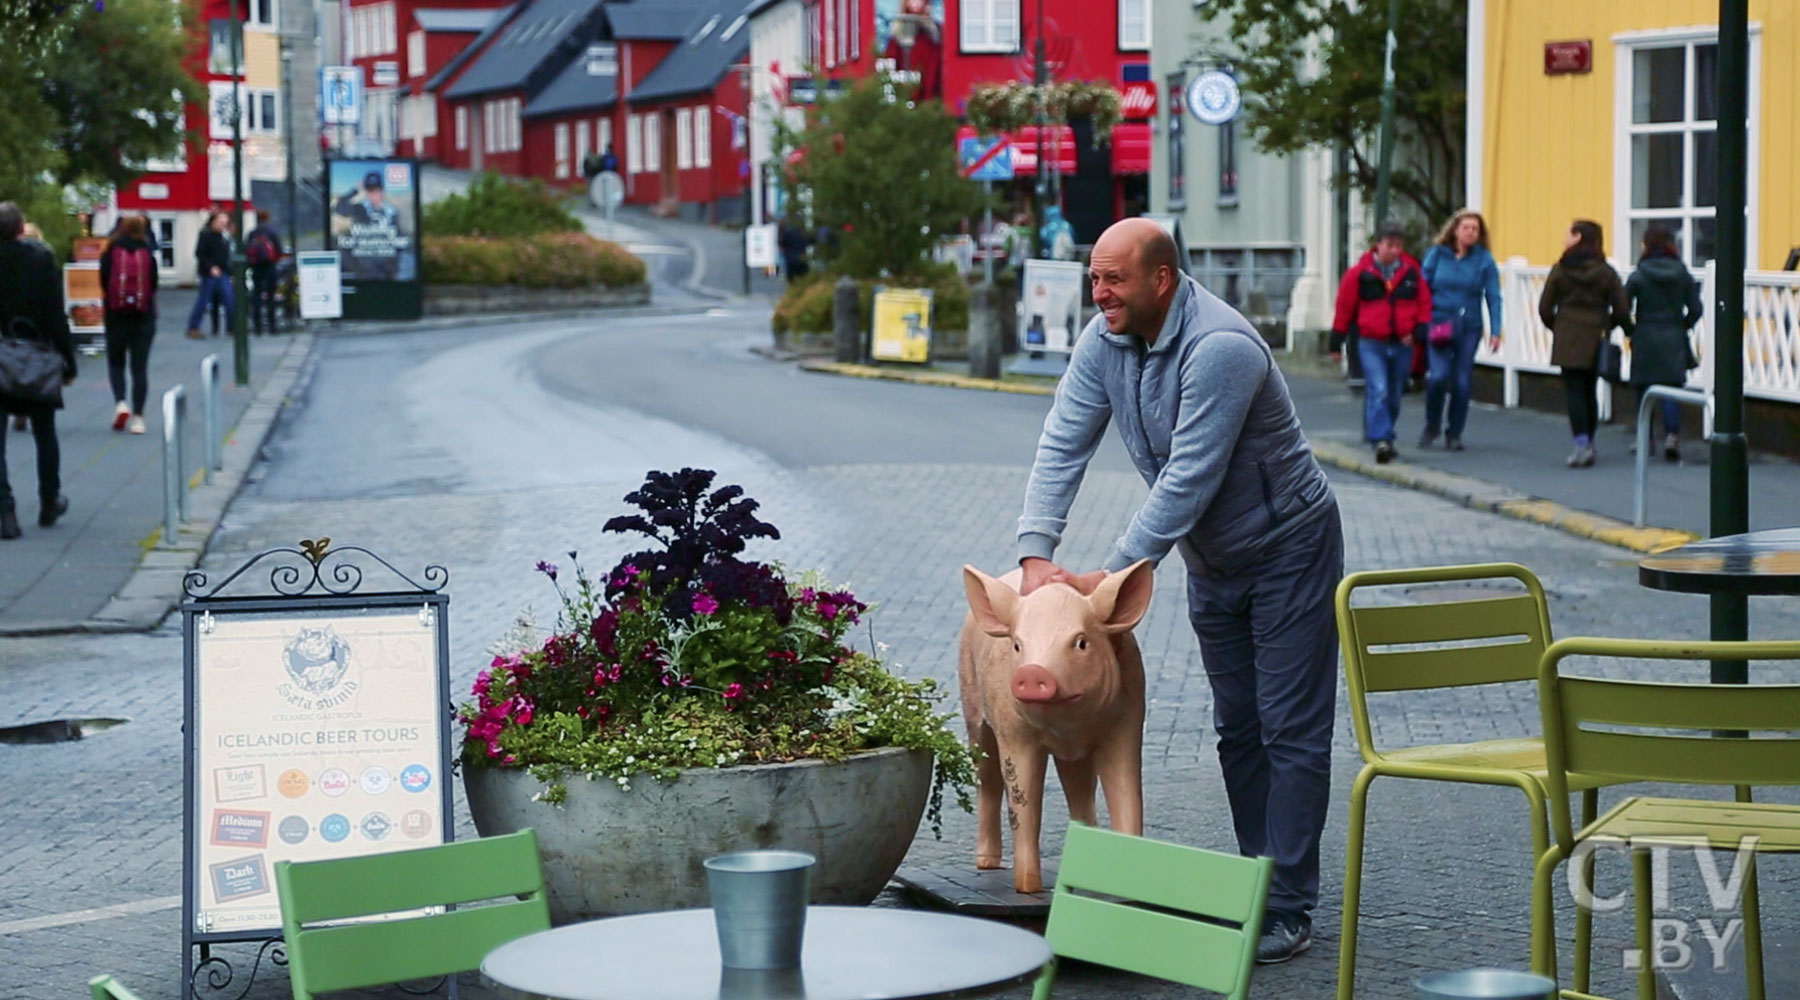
(31, 305)
(212, 264)
(130, 325)
(263, 250)
(1666, 305)
(792, 239)
(1583, 300)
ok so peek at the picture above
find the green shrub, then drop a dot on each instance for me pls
(496, 206)
(559, 260)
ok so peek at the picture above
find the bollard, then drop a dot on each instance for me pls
(174, 408)
(1640, 508)
(209, 415)
(846, 323)
(984, 331)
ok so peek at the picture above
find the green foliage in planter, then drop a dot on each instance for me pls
(558, 260)
(1008, 107)
(496, 206)
(806, 306)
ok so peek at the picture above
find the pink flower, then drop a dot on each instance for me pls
(704, 604)
(734, 691)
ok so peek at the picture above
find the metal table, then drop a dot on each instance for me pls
(851, 953)
(1754, 563)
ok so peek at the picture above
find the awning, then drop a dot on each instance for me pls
(1059, 146)
(1131, 148)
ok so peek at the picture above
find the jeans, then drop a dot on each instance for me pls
(1671, 409)
(264, 301)
(1268, 639)
(1452, 371)
(1581, 385)
(128, 338)
(49, 455)
(215, 291)
(1384, 363)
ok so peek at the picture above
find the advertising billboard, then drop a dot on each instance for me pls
(372, 209)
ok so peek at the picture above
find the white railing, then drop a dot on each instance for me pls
(1771, 333)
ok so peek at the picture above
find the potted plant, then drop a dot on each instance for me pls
(692, 701)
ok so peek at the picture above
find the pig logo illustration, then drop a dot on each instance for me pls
(317, 662)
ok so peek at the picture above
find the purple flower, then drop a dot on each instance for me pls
(704, 604)
(548, 569)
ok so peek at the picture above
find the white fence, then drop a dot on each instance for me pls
(1771, 333)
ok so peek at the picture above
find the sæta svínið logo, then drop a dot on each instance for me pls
(318, 667)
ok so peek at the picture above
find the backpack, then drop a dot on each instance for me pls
(261, 249)
(131, 290)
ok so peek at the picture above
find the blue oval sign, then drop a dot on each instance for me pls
(1213, 97)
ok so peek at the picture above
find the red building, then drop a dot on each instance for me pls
(686, 132)
(434, 38)
(382, 38)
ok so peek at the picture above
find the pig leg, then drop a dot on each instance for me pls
(990, 790)
(1121, 765)
(1078, 787)
(1023, 767)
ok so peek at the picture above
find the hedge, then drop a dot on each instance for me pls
(497, 206)
(556, 260)
(806, 305)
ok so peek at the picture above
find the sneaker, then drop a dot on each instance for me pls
(1384, 452)
(195, 334)
(1283, 937)
(9, 520)
(121, 413)
(1426, 439)
(1453, 443)
(52, 509)
(1584, 456)
(1574, 459)
(1672, 448)
(137, 425)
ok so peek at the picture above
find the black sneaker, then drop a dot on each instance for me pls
(52, 509)
(1284, 936)
(1454, 444)
(1427, 439)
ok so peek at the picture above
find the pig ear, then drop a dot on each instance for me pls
(994, 603)
(1122, 598)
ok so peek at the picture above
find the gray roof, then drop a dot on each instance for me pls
(456, 20)
(526, 51)
(718, 37)
(574, 90)
(472, 49)
(653, 20)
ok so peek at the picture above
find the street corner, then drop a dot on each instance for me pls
(926, 376)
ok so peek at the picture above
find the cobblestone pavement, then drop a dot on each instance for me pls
(442, 450)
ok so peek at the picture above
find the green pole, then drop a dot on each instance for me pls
(1386, 168)
(240, 336)
(1730, 451)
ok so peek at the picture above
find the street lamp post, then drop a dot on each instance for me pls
(287, 127)
(1730, 451)
(1039, 79)
(240, 352)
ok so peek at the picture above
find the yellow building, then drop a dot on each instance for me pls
(1621, 130)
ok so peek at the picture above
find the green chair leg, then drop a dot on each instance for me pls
(1753, 941)
(1584, 916)
(1543, 913)
(1353, 859)
(1644, 892)
(1041, 990)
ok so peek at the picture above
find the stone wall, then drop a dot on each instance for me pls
(456, 300)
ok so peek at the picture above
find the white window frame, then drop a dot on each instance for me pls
(390, 29)
(844, 30)
(827, 27)
(581, 140)
(163, 228)
(653, 143)
(684, 139)
(514, 124)
(855, 30)
(988, 26)
(415, 53)
(254, 23)
(562, 150)
(254, 123)
(425, 107)
(462, 126)
(634, 144)
(488, 118)
(1625, 46)
(1134, 13)
(602, 135)
(703, 136)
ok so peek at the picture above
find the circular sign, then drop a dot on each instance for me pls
(293, 829)
(1213, 97)
(293, 783)
(334, 781)
(375, 779)
(606, 190)
(415, 778)
(334, 827)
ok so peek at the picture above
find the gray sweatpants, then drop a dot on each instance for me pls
(1268, 638)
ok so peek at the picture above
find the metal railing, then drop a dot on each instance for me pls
(175, 502)
(210, 416)
(1640, 506)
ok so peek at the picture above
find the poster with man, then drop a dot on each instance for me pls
(373, 223)
(910, 34)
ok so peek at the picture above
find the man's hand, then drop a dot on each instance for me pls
(1041, 571)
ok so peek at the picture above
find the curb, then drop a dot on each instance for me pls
(1478, 494)
(154, 589)
(332, 328)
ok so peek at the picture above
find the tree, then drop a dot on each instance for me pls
(880, 173)
(1287, 110)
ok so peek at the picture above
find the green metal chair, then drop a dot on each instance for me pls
(1431, 646)
(108, 988)
(1605, 729)
(1210, 943)
(341, 956)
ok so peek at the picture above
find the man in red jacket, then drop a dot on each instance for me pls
(1384, 303)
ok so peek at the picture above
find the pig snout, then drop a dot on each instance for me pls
(1032, 683)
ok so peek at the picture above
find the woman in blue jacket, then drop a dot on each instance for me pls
(1460, 271)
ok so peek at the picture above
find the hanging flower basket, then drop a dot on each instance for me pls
(1007, 107)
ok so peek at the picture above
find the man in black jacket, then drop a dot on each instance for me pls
(31, 305)
(212, 263)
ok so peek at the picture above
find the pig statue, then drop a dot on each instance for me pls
(1054, 674)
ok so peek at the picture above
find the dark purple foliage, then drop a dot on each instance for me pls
(702, 531)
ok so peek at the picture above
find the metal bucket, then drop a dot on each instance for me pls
(759, 904)
(1485, 984)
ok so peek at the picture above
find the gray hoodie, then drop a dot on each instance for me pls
(1206, 418)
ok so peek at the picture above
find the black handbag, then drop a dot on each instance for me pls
(1610, 362)
(31, 371)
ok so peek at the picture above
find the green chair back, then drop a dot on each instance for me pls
(108, 988)
(322, 959)
(1216, 953)
(1498, 639)
(1628, 730)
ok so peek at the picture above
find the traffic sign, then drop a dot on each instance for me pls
(986, 159)
(340, 95)
(607, 190)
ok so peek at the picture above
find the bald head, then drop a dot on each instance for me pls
(1135, 269)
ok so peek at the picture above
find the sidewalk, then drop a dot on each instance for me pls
(65, 578)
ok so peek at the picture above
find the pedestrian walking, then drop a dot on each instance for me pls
(30, 234)
(128, 276)
(1583, 300)
(31, 307)
(1666, 304)
(212, 262)
(263, 251)
(610, 161)
(1207, 421)
(1384, 303)
(792, 239)
(1460, 273)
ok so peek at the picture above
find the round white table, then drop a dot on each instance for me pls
(851, 953)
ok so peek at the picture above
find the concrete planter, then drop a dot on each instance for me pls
(608, 851)
(456, 300)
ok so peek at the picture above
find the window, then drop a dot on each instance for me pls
(1228, 165)
(842, 15)
(424, 116)
(811, 31)
(462, 126)
(826, 28)
(581, 141)
(390, 30)
(684, 139)
(263, 114)
(514, 138)
(415, 54)
(562, 149)
(162, 227)
(1177, 111)
(488, 131)
(1134, 25)
(634, 144)
(702, 137)
(990, 26)
(261, 14)
(855, 29)
(603, 135)
(652, 143)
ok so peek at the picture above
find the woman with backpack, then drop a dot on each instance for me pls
(128, 281)
(1583, 300)
(1667, 302)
